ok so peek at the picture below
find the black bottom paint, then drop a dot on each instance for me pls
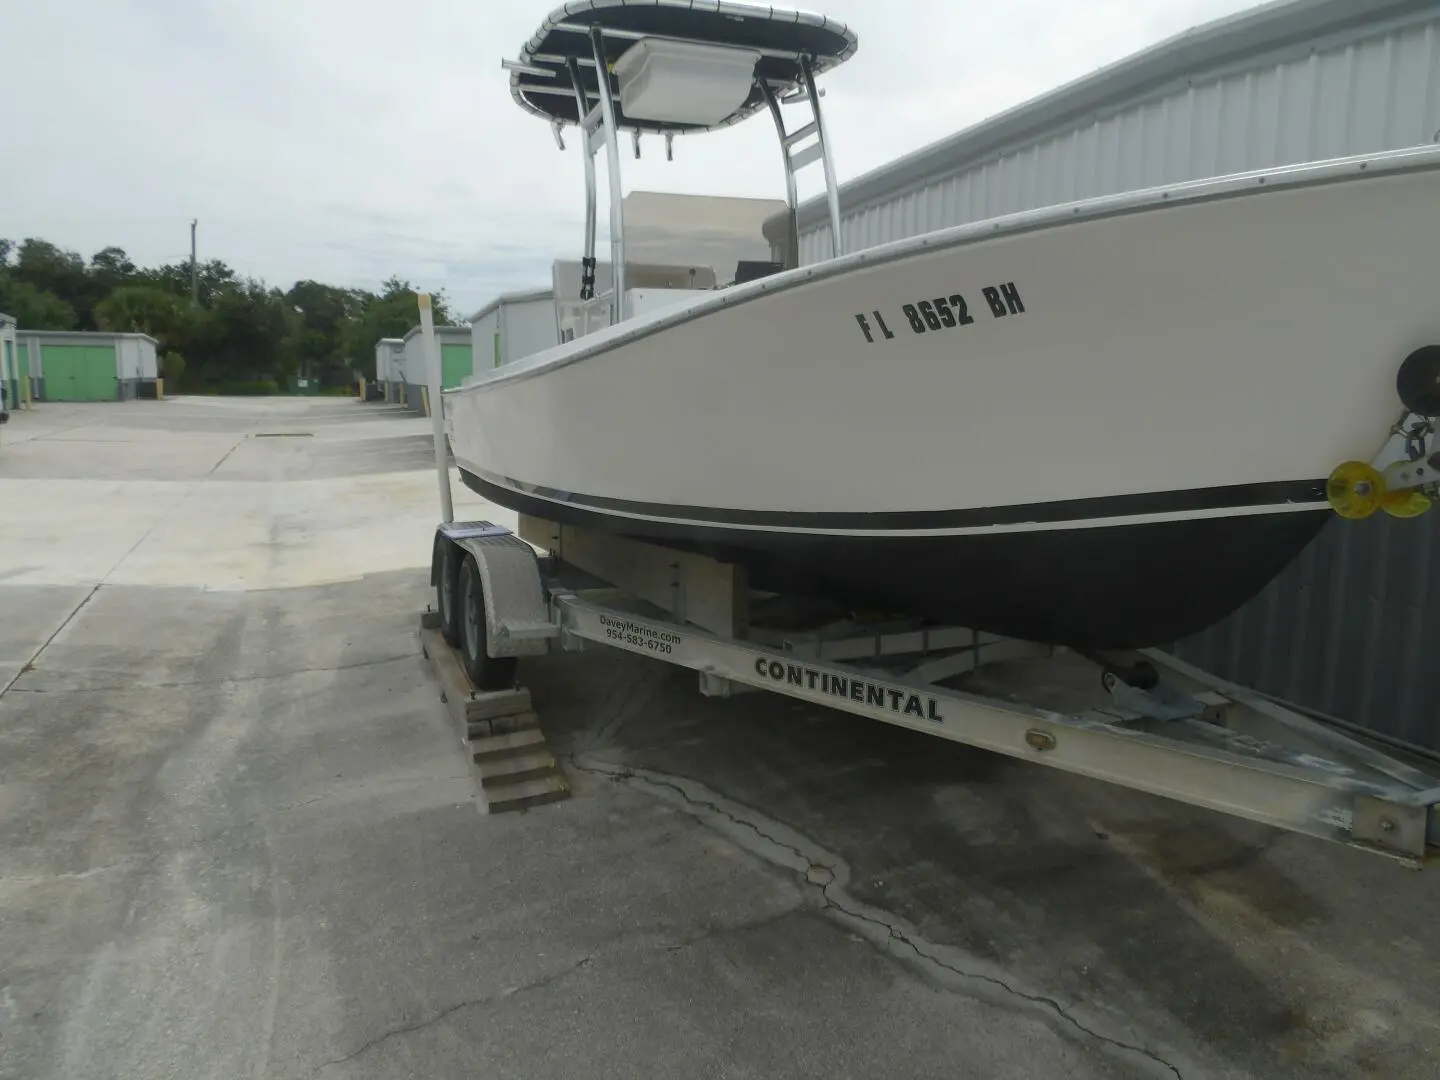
(1112, 587)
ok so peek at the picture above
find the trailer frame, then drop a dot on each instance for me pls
(1150, 722)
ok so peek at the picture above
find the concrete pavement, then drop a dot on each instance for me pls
(238, 838)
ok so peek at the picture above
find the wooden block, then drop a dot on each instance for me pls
(523, 794)
(539, 532)
(491, 703)
(515, 767)
(694, 588)
(430, 620)
(501, 725)
(454, 685)
(508, 743)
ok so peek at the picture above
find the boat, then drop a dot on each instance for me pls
(1106, 424)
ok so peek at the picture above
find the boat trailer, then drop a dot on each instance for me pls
(1146, 721)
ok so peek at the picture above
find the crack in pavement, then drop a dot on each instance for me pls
(828, 874)
(348, 790)
(225, 681)
(446, 1013)
(29, 665)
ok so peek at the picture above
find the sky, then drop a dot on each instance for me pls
(348, 140)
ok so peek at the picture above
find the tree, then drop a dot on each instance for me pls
(111, 263)
(34, 309)
(319, 342)
(390, 314)
(242, 337)
(146, 309)
(52, 270)
(240, 330)
(396, 289)
(110, 268)
(172, 367)
(213, 278)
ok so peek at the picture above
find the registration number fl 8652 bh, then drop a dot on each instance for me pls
(939, 313)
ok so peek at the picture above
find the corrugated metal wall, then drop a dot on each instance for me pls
(1363, 92)
(1349, 629)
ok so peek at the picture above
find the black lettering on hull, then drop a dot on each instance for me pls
(944, 312)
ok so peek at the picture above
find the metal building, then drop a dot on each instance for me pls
(390, 368)
(10, 367)
(74, 365)
(514, 325)
(1279, 84)
(1343, 629)
(455, 363)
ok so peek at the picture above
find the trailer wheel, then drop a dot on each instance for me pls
(446, 561)
(486, 672)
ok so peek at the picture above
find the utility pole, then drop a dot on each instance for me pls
(194, 272)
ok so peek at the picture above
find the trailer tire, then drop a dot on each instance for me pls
(446, 575)
(486, 672)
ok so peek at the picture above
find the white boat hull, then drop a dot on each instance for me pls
(1195, 357)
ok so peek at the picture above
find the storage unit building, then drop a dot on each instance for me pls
(10, 364)
(513, 326)
(390, 367)
(455, 362)
(136, 364)
(65, 365)
(1342, 629)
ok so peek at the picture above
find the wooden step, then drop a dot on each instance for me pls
(523, 794)
(510, 742)
(501, 725)
(513, 765)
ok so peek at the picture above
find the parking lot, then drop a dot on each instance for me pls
(239, 836)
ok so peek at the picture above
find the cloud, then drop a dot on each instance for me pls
(346, 140)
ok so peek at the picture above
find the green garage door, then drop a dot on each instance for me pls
(454, 365)
(79, 372)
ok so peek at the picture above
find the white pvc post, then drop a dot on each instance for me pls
(437, 406)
